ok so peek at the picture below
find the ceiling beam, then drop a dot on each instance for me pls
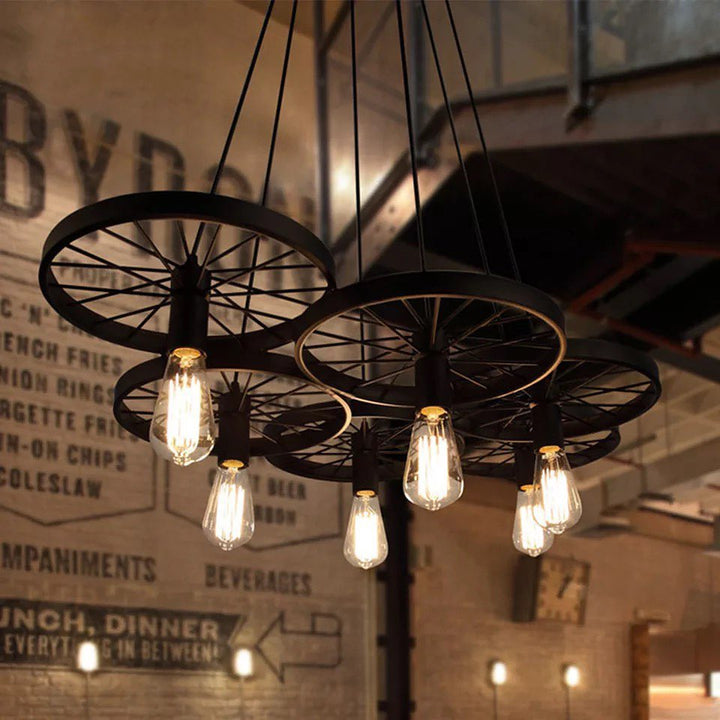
(626, 488)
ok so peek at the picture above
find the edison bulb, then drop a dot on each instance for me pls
(528, 536)
(433, 474)
(365, 541)
(183, 426)
(229, 520)
(556, 500)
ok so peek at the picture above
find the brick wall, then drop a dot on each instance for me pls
(462, 618)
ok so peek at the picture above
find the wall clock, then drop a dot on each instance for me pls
(551, 588)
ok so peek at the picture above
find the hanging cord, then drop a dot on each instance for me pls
(458, 151)
(356, 149)
(411, 138)
(278, 108)
(271, 155)
(233, 126)
(478, 125)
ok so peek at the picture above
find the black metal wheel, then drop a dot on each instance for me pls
(496, 458)
(332, 460)
(599, 385)
(270, 381)
(106, 268)
(362, 340)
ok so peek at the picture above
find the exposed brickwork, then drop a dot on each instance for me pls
(462, 618)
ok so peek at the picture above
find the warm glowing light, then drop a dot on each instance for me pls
(88, 658)
(183, 426)
(571, 676)
(433, 475)
(229, 520)
(498, 673)
(528, 536)
(556, 500)
(243, 663)
(342, 180)
(365, 541)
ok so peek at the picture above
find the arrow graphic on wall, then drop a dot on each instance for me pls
(318, 647)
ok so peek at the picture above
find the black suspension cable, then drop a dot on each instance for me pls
(271, 154)
(458, 151)
(236, 116)
(488, 161)
(356, 149)
(411, 137)
(278, 108)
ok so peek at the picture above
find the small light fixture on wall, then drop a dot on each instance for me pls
(497, 673)
(571, 676)
(87, 662)
(243, 664)
(571, 679)
(88, 658)
(497, 676)
(243, 667)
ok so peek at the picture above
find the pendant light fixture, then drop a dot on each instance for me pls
(435, 341)
(529, 536)
(371, 450)
(556, 503)
(598, 386)
(229, 519)
(365, 540)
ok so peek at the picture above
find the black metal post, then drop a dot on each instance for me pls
(398, 704)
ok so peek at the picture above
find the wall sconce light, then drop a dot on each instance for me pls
(243, 665)
(88, 658)
(497, 673)
(87, 662)
(497, 676)
(571, 679)
(571, 676)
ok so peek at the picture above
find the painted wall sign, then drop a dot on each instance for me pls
(47, 633)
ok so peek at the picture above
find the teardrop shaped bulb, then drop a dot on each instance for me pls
(229, 520)
(365, 540)
(183, 425)
(556, 501)
(433, 474)
(529, 537)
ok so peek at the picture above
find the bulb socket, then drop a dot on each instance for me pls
(524, 465)
(233, 442)
(433, 384)
(189, 307)
(546, 426)
(364, 462)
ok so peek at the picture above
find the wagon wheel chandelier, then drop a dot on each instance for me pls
(413, 352)
(598, 386)
(218, 294)
(435, 342)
